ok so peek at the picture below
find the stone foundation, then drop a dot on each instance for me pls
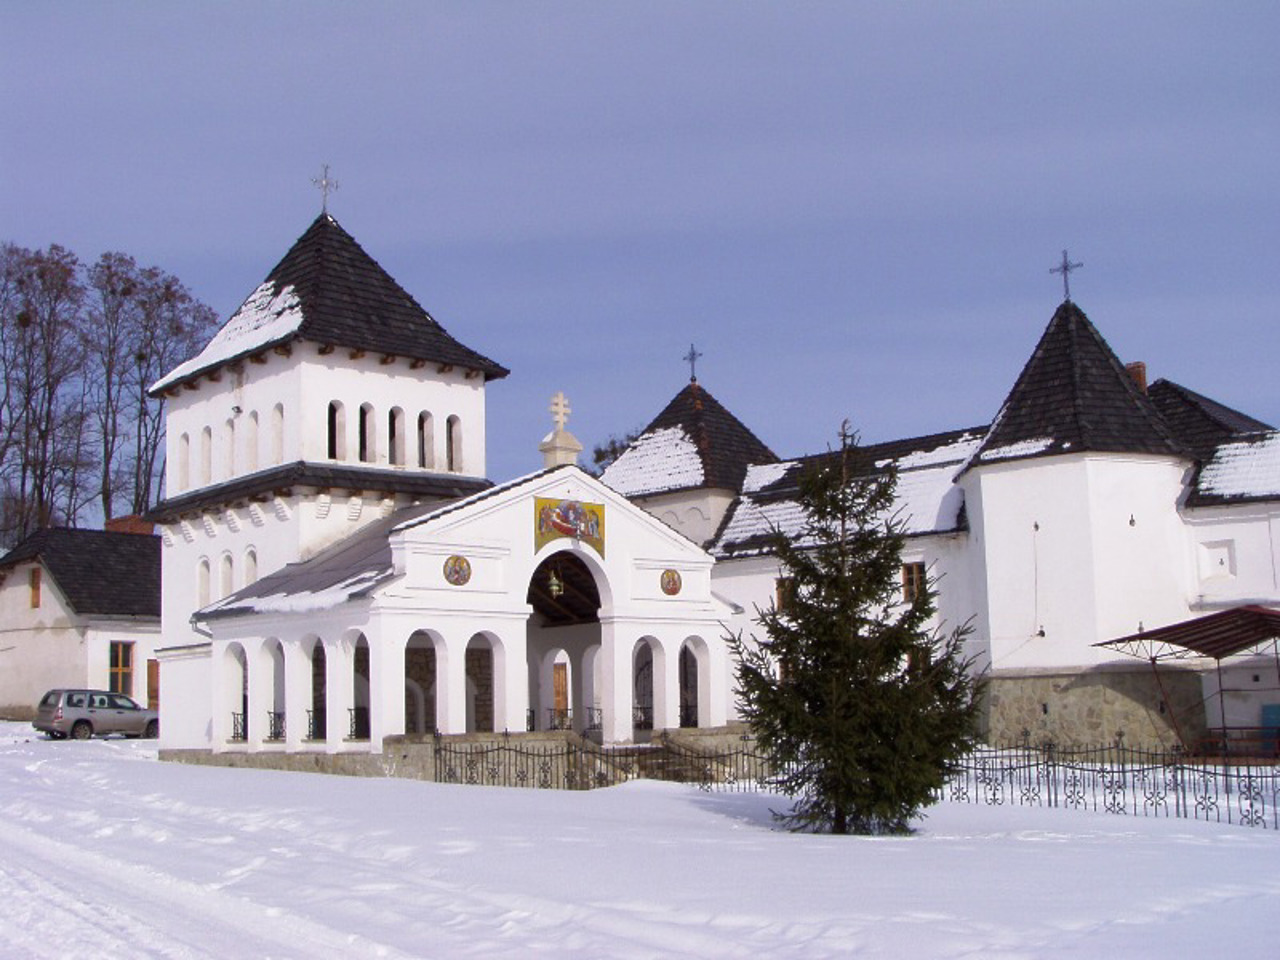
(1085, 708)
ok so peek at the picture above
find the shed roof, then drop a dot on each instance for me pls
(1216, 635)
(102, 573)
(328, 290)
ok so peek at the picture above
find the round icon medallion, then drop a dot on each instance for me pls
(457, 570)
(671, 582)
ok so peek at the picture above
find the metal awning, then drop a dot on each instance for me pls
(1217, 635)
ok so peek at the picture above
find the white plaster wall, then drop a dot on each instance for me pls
(255, 388)
(442, 393)
(185, 701)
(98, 639)
(1058, 554)
(40, 648)
(695, 513)
(1235, 555)
(1249, 682)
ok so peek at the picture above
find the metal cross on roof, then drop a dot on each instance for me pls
(1065, 269)
(560, 410)
(691, 358)
(326, 186)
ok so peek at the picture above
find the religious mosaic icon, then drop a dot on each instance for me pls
(457, 570)
(671, 582)
(568, 518)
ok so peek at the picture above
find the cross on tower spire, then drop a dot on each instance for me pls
(560, 410)
(326, 186)
(691, 358)
(1065, 269)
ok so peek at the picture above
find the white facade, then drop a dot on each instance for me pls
(45, 643)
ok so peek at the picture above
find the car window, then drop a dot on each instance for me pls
(100, 701)
(50, 699)
(122, 703)
(75, 699)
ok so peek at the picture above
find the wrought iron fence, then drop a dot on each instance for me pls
(358, 723)
(275, 725)
(316, 725)
(1115, 779)
(238, 729)
(1121, 780)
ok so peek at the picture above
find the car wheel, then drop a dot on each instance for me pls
(82, 730)
(153, 730)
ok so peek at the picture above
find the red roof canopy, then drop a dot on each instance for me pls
(1217, 635)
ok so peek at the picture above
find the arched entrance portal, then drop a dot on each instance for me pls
(563, 637)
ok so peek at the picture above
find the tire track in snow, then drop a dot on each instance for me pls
(121, 910)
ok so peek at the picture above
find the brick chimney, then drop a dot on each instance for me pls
(1138, 370)
(133, 523)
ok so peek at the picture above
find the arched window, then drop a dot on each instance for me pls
(250, 566)
(251, 443)
(337, 432)
(184, 462)
(426, 442)
(277, 434)
(230, 449)
(225, 585)
(206, 455)
(202, 583)
(368, 440)
(395, 436)
(453, 444)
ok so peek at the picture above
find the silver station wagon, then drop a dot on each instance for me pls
(81, 714)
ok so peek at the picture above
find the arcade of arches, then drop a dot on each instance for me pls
(547, 667)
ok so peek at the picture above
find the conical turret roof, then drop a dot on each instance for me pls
(1075, 395)
(693, 443)
(327, 290)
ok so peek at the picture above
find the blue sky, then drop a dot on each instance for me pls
(851, 208)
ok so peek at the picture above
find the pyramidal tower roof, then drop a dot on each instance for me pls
(694, 442)
(329, 291)
(1075, 395)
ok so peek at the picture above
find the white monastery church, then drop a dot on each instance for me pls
(337, 569)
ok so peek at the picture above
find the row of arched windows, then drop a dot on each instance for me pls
(226, 582)
(394, 433)
(241, 449)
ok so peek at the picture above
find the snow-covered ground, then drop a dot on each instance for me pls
(106, 852)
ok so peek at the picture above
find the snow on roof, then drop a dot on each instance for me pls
(658, 461)
(926, 499)
(308, 601)
(1022, 448)
(265, 318)
(1248, 468)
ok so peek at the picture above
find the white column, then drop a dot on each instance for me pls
(616, 642)
(666, 684)
(261, 693)
(713, 696)
(220, 721)
(511, 682)
(337, 700)
(386, 685)
(297, 693)
(451, 683)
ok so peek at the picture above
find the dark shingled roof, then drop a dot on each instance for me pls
(725, 446)
(303, 474)
(1075, 395)
(100, 572)
(348, 300)
(1200, 423)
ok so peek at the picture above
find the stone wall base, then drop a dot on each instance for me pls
(1084, 708)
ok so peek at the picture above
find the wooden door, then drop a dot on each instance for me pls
(153, 684)
(560, 687)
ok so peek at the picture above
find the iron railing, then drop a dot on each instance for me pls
(358, 723)
(558, 719)
(595, 718)
(316, 727)
(275, 725)
(238, 729)
(688, 714)
(642, 718)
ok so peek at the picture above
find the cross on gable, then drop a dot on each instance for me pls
(560, 410)
(326, 186)
(1065, 269)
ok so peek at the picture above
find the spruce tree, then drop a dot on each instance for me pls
(863, 708)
